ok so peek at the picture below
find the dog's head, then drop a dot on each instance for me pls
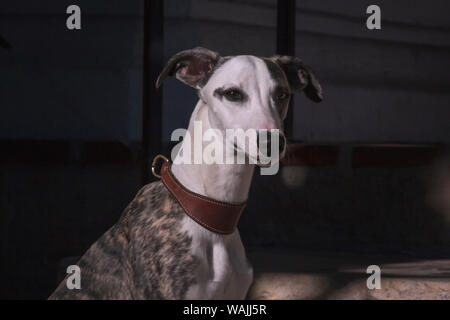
(244, 92)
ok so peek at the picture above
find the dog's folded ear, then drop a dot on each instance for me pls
(300, 77)
(193, 67)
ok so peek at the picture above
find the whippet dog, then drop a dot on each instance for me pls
(165, 246)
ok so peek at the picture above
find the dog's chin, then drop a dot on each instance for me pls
(255, 159)
(265, 165)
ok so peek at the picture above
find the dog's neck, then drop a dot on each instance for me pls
(223, 182)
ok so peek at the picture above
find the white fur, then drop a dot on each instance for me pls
(224, 272)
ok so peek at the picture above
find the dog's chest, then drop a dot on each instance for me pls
(223, 271)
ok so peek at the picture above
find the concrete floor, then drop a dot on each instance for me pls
(309, 275)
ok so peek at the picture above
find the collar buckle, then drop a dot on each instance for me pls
(154, 163)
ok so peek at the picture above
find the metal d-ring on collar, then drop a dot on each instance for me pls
(155, 161)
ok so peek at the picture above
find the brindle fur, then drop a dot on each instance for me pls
(145, 255)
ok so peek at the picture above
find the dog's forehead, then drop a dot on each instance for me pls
(248, 68)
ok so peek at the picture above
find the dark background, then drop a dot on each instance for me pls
(362, 180)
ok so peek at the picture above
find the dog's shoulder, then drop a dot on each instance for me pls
(159, 247)
(152, 209)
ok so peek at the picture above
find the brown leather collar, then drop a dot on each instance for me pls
(216, 216)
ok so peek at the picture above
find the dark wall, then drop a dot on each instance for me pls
(59, 84)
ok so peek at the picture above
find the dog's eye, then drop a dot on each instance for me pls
(282, 96)
(234, 95)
